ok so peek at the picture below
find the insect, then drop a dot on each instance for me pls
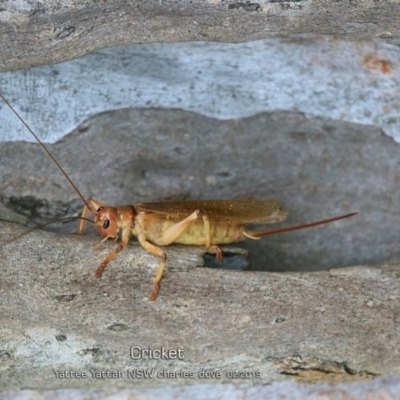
(208, 223)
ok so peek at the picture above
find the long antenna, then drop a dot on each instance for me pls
(46, 150)
(40, 226)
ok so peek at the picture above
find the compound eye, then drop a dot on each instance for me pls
(106, 224)
(100, 208)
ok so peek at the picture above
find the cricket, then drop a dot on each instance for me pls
(207, 223)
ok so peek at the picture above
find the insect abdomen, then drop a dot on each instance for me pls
(221, 233)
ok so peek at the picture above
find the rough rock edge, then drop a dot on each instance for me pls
(38, 33)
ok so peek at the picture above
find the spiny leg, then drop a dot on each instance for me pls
(115, 238)
(219, 255)
(151, 248)
(111, 256)
(207, 243)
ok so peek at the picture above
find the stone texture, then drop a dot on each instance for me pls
(39, 33)
(327, 77)
(384, 388)
(340, 325)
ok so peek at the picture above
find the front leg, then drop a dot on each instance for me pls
(111, 256)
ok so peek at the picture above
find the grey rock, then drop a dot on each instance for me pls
(41, 33)
(339, 325)
(315, 168)
(327, 77)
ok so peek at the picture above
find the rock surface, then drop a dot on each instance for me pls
(328, 77)
(315, 168)
(386, 388)
(331, 326)
(340, 325)
(335, 325)
(37, 33)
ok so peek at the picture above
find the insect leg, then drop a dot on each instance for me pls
(96, 204)
(115, 238)
(111, 256)
(169, 236)
(207, 236)
(83, 221)
(151, 248)
(174, 232)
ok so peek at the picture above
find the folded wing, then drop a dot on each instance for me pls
(233, 211)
